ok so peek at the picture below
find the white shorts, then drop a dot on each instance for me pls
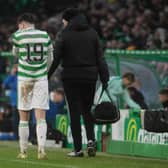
(33, 95)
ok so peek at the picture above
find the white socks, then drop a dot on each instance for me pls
(23, 135)
(41, 130)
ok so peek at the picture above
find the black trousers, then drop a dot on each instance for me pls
(80, 97)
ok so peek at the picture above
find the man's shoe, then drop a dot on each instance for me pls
(22, 155)
(91, 148)
(42, 156)
(76, 154)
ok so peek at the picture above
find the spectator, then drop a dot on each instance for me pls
(119, 87)
(163, 96)
(6, 130)
(2, 72)
(10, 83)
(138, 97)
(2, 65)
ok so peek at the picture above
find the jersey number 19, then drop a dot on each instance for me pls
(38, 49)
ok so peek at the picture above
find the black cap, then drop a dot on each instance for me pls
(70, 13)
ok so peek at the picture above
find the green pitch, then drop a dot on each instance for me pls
(58, 159)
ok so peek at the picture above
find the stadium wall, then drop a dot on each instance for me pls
(128, 137)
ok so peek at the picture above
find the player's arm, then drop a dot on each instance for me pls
(129, 101)
(58, 49)
(15, 49)
(101, 64)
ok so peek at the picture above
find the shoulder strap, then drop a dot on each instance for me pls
(108, 94)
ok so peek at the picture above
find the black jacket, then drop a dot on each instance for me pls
(138, 97)
(79, 50)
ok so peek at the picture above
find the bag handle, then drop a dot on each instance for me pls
(107, 93)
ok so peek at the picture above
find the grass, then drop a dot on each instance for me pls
(58, 159)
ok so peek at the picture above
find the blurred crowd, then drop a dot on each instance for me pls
(121, 24)
(136, 24)
(131, 24)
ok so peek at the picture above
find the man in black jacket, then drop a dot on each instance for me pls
(79, 50)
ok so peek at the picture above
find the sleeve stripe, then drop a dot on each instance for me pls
(17, 45)
(14, 40)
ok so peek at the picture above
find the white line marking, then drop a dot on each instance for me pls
(40, 164)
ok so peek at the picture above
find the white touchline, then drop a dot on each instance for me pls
(38, 163)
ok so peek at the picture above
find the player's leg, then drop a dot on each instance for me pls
(24, 106)
(41, 131)
(41, 103)
(23, 133)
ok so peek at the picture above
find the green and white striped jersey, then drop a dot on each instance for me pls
(34, 51)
